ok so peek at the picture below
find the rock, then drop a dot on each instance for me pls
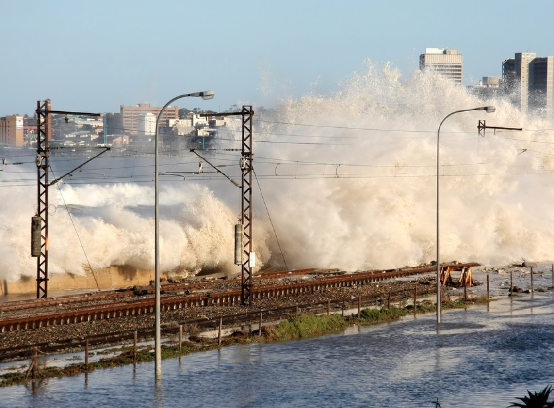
(140, 290)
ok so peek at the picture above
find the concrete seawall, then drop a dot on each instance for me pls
(114, 277)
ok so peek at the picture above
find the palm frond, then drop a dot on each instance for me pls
(535, 399)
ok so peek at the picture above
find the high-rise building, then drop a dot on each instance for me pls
(542, 86)
(515, 75)
(528, 81)
(445, 62)
(131, 114)
(11, 130)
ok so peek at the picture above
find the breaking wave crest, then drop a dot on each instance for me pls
(349, 181)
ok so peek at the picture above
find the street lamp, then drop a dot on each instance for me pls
(488, 109)
(158, 337)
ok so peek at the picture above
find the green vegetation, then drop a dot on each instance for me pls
(305, 326)
(299, 327)
(375, 316)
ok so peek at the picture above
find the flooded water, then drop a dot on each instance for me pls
(480, 357)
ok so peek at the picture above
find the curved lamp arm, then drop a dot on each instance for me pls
(158, 339)
(488, 109)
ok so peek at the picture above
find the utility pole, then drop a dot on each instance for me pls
(39, 224)
(481, 127)
(248, 261)
(40, 220)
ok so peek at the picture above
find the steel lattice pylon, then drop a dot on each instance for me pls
(40, 220)
(43, 133)
(247, 114)
(246, 214)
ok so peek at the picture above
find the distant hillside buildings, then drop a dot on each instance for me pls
(134, 125)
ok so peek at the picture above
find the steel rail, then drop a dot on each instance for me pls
(168, 287)
(18, 352)
(229, 298)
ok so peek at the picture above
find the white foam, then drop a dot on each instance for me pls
(495, 200)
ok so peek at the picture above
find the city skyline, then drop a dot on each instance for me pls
(95, 59)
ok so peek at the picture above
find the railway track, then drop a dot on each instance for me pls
(168, 287)
(239, 319)
(111, 307)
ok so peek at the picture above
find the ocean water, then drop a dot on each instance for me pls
(484, 356)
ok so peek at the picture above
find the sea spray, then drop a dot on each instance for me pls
(114, 223)
(348, 179)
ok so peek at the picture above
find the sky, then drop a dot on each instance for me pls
(96, 56)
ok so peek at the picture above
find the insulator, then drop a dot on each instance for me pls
(238, 244)
(36, 229)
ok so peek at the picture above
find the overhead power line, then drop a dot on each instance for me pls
(270, 220)
(77, 233)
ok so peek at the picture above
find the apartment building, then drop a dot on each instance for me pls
(131, 114)
(443, 61)
(11, 130)
(147, 124)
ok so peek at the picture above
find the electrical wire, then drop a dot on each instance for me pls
(270, 161)
(523, 140)
(270, 220)
(292, 177)
(356, 128)
(275, 161)
(77, 233)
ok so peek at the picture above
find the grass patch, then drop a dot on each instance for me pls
(305, 326)
(12, 379)
(374, 316)
(383, 315)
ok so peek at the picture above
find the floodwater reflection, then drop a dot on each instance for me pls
(479, 357)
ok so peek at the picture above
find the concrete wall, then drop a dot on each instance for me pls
(114, 277)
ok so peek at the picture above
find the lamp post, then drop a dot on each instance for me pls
(488, 109)
(158, 337)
